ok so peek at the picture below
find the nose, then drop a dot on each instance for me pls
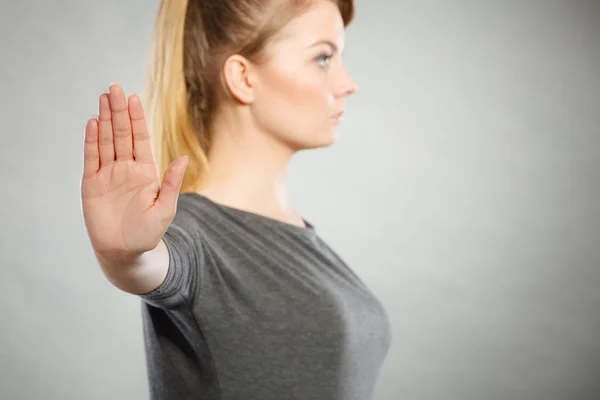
(346, 86)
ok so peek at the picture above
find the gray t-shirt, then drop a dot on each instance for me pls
(253, 308)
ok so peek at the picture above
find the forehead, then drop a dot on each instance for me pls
(321, 20)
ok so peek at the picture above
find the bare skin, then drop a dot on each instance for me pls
(125, 209)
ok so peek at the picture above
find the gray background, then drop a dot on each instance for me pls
(464, 189)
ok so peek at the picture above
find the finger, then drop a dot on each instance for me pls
(169, 190)
(91, 154)
(142, 146)
(106, 145)
(121, 124)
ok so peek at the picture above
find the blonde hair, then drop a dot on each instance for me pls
(191, 40)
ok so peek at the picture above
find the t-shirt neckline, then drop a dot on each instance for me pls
(309, 229)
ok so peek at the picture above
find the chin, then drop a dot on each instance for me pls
(321, 140)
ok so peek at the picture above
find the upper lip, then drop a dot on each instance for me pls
(338, 113)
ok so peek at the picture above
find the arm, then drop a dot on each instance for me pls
(139, 274)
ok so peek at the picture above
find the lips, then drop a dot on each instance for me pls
(338, 115)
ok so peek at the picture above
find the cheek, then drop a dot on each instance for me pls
(296, 106)
(300, 94)
(307, 93)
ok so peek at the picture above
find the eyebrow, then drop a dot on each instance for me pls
(325, 41)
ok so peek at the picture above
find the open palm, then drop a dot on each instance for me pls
(125, 209)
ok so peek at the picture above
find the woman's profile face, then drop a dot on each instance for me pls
(301, 90)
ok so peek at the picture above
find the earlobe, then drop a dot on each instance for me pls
(236, 73)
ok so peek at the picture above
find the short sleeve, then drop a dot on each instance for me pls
(183, 242)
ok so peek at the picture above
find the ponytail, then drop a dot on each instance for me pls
(165, 95)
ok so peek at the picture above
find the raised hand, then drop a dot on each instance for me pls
(126, 210)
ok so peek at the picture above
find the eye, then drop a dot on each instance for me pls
(324, 58)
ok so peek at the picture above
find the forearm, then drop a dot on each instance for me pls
(137, 274)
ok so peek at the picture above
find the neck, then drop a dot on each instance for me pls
(247, 170)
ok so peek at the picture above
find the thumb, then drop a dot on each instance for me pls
(171, 184)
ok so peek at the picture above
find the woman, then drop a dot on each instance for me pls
(241, 297)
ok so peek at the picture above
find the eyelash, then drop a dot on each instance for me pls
(324, 56)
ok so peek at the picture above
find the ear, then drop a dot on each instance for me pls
(237, 76)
